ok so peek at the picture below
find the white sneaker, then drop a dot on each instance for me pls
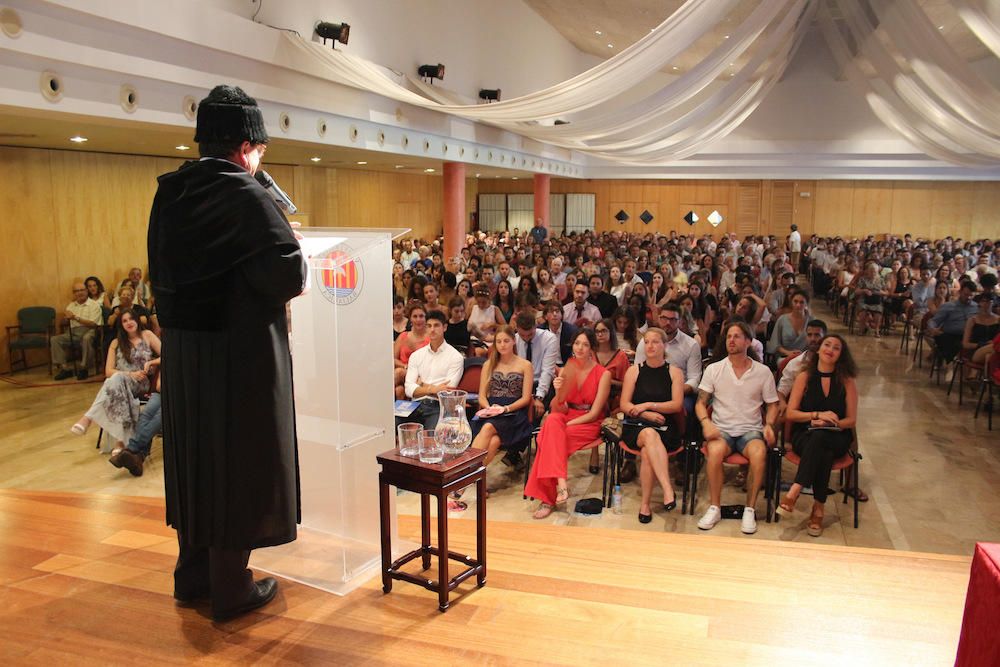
(749, 524)
(711, 517)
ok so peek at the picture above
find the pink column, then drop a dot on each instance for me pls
(542, 183)
(454, 212)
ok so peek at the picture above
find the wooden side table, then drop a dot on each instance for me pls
(438, 480)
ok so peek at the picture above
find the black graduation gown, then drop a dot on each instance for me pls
(223, 262)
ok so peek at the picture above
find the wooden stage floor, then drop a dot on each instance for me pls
(86, 579)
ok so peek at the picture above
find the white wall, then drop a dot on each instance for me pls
(483, 43)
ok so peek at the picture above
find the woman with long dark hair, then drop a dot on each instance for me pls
(504, 300)
(582, 390)
(129, 362)
(823, 407)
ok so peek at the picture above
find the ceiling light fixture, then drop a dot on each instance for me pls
(726, 37)
(477, 175)
(611, 46)
(315, 158)
(940, 27)
(513, 178)
(336, 32)
(676, 67)
(362, 162)
(182, 147)
(598, 33)
(431, 72)
(78, 139)
(399, 166)
(428, 171)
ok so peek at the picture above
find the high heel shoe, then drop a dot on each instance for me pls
(785, 508)
(645, 518)
(668, 507)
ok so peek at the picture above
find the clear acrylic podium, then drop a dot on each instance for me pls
(341, 337)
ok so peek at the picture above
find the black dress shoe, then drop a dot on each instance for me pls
(263, 592)
(628, 472)
(82, 375)
(668, 507)
(594, 469)
(645, 518)
(64, 375)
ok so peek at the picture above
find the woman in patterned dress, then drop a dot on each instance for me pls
(130, 358)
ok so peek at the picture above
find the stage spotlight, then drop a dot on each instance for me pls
(338, 32)
(431, 72)
(489, 95)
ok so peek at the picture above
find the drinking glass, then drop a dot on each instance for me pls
(408, 437)
(431, 451)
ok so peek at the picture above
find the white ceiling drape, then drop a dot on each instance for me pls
(678, 118)
(922, 89)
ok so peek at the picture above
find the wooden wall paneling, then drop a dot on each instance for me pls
(782, 208)
(833, 208)
(911, 208)
(746, 217)
(28, 227)
(872, 207)
(951, 211)
(803, 209)
(985, 222)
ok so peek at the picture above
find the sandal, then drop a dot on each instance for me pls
(78, 428)
(815, 527)
(543, 511)
(562, 495)
(862, 496)
(785, 508)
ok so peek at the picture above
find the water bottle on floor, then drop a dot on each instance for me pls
(616, 499)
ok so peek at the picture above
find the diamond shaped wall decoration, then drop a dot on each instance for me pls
(646, 217)
(621, 217)
(691, 217)
(715, 218)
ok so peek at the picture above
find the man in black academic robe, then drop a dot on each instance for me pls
(224, 262)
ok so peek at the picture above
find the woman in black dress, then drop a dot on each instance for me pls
(824, 407)
(504, 396)
(651, 394)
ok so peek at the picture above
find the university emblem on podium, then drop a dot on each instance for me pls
(340, 277)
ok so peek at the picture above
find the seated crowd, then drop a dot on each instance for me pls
(637, 326)
(123, 327)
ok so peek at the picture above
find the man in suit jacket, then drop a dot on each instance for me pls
(565, 332)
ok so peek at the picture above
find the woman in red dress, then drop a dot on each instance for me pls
(582, 391)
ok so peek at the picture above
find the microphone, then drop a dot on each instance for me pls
(284, 201)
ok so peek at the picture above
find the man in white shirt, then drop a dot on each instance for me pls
(580, 312)
(433, 368)
(409, 255)
(795, 247)
(84, 316)
(541, 348)
(737, 388)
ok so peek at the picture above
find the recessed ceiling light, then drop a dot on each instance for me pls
(611, 46)
(513, 178)
(428, 171)
(598, 32)
(676, 67)
(940, 27)
(731, 64)
(362, 162)
(399, 166)
(78, 139)
(477, 175)
(315, 158)
(182, 147)
(726, 37)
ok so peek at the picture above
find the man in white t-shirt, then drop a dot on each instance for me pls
(737, 388)
(795, 247)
